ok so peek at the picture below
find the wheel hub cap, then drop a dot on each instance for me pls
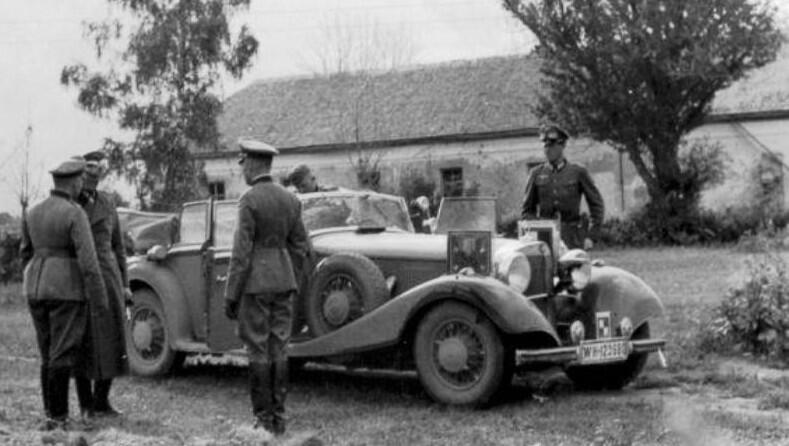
(142, 335)
(452, 355)
(336, 308)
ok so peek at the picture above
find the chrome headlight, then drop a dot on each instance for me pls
(513, 269)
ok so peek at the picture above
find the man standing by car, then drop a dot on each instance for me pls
(554, 190)
(61, 274)
(269, 249)
(105, 356)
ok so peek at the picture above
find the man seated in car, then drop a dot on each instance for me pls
(305, 182)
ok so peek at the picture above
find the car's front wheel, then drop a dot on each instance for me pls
(147, 337)
(611, 376)
(460, 355)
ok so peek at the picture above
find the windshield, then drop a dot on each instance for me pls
(142, 230)
(331, 211)
(325, 211)
(466, 214)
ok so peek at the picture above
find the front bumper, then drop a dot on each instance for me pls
(571, 355)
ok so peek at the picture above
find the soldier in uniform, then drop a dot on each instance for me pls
(305, 182)
(105, 356)
(61, 274)
(269, 249)
(554, 190)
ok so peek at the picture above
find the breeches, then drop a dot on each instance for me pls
(264, 325)
(60, 330)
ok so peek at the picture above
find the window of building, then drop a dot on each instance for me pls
(452, 182)
(216, 189)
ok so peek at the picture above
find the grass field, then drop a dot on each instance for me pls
(699, 399)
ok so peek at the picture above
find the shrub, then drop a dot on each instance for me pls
(10, 263)
(761, 241)
(776, 399)
(754, 316)
(415, 183)
(644, 228)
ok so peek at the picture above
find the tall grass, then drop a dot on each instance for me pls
(11, 293)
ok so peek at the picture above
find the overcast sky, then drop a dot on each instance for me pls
(39, 37)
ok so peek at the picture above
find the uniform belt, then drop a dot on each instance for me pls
(563, 221)
(54, 252)
(271, 242)
(272, 245)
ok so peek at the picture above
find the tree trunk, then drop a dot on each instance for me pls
(663, 176)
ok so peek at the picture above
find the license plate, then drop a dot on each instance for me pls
(595, 352)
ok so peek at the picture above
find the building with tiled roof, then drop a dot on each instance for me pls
(467, 126)
(457, 98)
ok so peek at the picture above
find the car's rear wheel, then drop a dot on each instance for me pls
(343, 288)
(148, 338)
(611, 376)
(460, 356)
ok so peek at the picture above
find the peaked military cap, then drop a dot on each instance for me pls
(256, 148)
(553, 133)
(70, 167)
(94, 156)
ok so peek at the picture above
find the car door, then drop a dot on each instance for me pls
(186, 259)
(222, 334)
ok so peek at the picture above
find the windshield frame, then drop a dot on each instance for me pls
(357, 195)
(315, 195)
(459, 206)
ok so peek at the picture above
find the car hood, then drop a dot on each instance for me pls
(391, 244)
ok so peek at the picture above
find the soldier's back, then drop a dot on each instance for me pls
(274, 207)
(49, 223)
(53, 272)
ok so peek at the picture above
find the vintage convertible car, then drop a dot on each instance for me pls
(382, 296)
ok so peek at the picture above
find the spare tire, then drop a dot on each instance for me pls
(343, 288)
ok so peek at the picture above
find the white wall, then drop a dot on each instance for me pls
(500, 166)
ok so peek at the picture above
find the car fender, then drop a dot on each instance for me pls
(388, 324)
(171, 295)
(623, 294)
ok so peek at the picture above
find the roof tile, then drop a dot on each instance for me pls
(451, 98)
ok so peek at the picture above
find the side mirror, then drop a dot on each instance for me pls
(156, 253)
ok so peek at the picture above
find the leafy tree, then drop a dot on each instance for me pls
(641, 74)
(160, 88)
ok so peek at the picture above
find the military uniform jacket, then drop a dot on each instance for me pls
(552, 193)
(107, 341)
(270, 243)
(58, 253)
(108, 240)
